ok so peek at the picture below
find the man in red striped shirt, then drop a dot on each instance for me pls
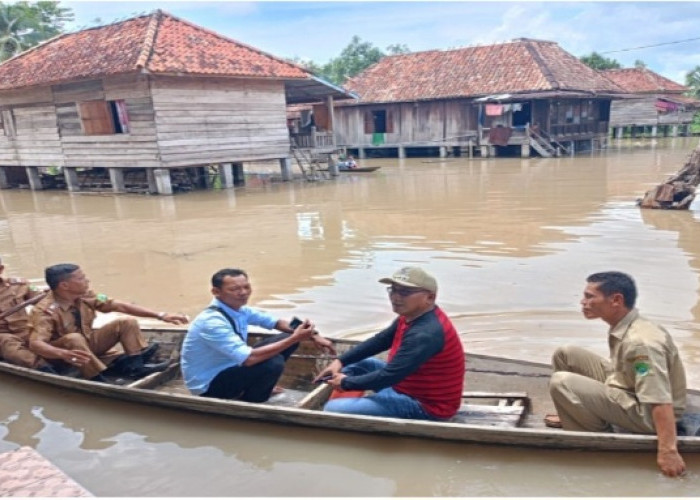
(423, 376)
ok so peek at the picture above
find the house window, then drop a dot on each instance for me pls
(379, 121)
(7, 123)
(104, 117)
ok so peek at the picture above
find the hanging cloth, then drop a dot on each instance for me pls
(494, 109)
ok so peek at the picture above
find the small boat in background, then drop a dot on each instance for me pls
(358, 169)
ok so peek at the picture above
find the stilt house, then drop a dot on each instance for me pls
(154, 96)
(658, 108)
(518, 97)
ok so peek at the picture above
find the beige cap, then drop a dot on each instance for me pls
(413, 277)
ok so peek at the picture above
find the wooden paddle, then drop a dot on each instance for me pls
(22, 305)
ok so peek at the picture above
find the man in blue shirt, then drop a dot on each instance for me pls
(216, 360)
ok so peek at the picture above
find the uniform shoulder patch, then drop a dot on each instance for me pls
(101, 297)
(642, 367)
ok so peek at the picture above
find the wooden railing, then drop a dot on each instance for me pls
(579, 129)
(313, 139)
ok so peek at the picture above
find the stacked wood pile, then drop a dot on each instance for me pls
(678, 191)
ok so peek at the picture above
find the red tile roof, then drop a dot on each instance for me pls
(158, 43)
(643, 81)
(519, 66)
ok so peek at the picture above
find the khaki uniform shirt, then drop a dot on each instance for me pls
(646, 364)
(14, 291)
(50, 320)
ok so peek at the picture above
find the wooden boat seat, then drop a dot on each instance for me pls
(509, 411)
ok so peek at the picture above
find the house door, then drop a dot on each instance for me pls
(523, 116)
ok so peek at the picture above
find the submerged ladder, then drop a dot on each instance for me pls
(309, 167)
(545, 145)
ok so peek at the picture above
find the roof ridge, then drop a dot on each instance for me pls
(232, 40)
(150, 39)
(546, 72)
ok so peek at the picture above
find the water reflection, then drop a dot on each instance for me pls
(510, 241)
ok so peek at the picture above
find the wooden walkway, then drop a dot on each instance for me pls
(25, 473)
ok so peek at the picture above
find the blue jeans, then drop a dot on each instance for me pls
(384, 403)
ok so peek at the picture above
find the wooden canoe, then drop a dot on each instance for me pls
(505, 403)
(358, 170)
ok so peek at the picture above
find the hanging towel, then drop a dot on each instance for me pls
(494, 109)
(377, 138)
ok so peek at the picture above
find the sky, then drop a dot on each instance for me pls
(319, 30)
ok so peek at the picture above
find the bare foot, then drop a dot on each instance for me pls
(278, 389)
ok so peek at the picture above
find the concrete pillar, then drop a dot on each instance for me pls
(402, 152)
(116, 177)
(443, 152)
(619, 132)
(674, 130)
(361, 153)
(3, 179)
(162, 178)
(654, 130)
(151, 178)
(525, 151)
(226, 174)
(239, 174)
(286, 168)
(71, 176)
(331, 116)
(572, 148)
(484, 151)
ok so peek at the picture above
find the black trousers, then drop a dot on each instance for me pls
(254, 383)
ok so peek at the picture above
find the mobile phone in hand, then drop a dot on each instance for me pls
(295, 323)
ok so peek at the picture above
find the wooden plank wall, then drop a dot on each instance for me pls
(643, 112)
(424, 123)
(36, 141)
(207, 120)
(137, 148)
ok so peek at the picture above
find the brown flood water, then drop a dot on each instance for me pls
(509, 240)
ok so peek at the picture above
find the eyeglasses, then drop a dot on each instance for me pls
(403, 292)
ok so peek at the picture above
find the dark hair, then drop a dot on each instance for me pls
(611, 282)
(58, 273)
(218, 279)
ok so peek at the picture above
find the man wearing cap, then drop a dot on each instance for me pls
(423, 376)
(641, 388)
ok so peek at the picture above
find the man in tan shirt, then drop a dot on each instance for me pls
(640, 389)
(61, 328)
(14, 328)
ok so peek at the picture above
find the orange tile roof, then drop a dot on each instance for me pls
(157, 43)
(519, 66)
(643, 81)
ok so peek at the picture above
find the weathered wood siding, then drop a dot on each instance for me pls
(35, 141)
(200, 121)
(136, 148)
(427, 123)
(640, 112)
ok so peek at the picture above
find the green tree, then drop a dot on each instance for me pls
(639, 64)
(397, 48)
(24, 24)
(692, 81)
(596, 61)
(353, 59)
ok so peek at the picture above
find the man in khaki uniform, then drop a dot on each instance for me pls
(14, 333)
(641, 388)
(61, 327)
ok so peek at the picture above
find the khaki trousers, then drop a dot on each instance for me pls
(585, 403)
(99, 345)
(15, 351)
